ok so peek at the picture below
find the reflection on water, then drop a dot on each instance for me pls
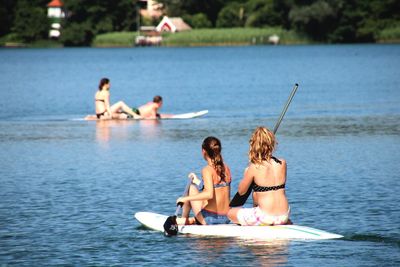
(107, 130)
(214, 247)
(267, 253)
(149, 129)
(252, 252)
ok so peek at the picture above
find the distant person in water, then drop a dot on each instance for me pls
(267, 177)
(102, 103)
(150, 110)
(208, 199)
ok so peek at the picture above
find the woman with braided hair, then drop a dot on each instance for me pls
(267, 177)
(208, 199)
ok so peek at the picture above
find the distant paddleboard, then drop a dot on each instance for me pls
(156, 221)
(189, 115)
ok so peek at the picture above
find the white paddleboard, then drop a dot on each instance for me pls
(156, 221)
(189, 115)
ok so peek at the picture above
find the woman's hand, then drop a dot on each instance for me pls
(194, 178)
(180, 200)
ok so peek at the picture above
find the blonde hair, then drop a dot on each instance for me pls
(262, 144)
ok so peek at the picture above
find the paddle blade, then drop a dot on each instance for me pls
(170, 226)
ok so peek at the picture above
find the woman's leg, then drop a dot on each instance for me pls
(184, 219)
(232, 215)
(195, 206)
(121, 106)
(120, 116)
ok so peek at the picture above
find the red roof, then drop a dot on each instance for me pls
(55, 3)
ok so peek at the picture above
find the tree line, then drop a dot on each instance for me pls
(336, 21)
(333, 21)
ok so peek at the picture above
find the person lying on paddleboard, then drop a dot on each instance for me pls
(267, 177)
(209, 199)
(150, 110)
(102, 105)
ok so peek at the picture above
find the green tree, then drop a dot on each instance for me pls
(77, 34)
(7, 13)
(316, 20)
(198, 21)
(232, 15)
(95, 17)
(361, 21)
(210, 8)
(282, 9)
(31, 22)
(262, 13)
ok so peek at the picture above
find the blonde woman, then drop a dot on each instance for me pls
(267, 177)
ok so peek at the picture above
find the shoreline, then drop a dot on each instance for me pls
(194, 45)
(195, 38)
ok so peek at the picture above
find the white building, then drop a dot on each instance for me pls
(55, 9)
(150, 8)
(172, 25)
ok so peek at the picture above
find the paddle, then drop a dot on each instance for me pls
(239, 200)
(170, 225)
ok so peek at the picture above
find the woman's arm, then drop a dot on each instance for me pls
(247, 180)
(107, 103)
(208, 191)
(244, 190)
(284, 164)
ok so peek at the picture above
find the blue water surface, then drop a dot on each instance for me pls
(69, 188)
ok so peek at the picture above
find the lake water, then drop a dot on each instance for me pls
(69, 188)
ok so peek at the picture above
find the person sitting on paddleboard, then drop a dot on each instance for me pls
(267, 177)
(210, 201)
(102, 103)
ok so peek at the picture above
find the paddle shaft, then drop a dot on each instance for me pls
(184, 194)
(285, 108)
(239, 200)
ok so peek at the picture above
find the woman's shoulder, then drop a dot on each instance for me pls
(282, 161)
(279, 163)
(207, 169)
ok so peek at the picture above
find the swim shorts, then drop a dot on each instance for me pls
(136, 111)
(214, 218)
(257, 217)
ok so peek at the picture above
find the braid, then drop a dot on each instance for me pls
(219, 166)
(213, 148)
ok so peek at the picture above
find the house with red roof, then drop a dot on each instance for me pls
(172, 25)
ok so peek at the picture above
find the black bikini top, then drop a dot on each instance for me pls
(258, 188)
(101, 100)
